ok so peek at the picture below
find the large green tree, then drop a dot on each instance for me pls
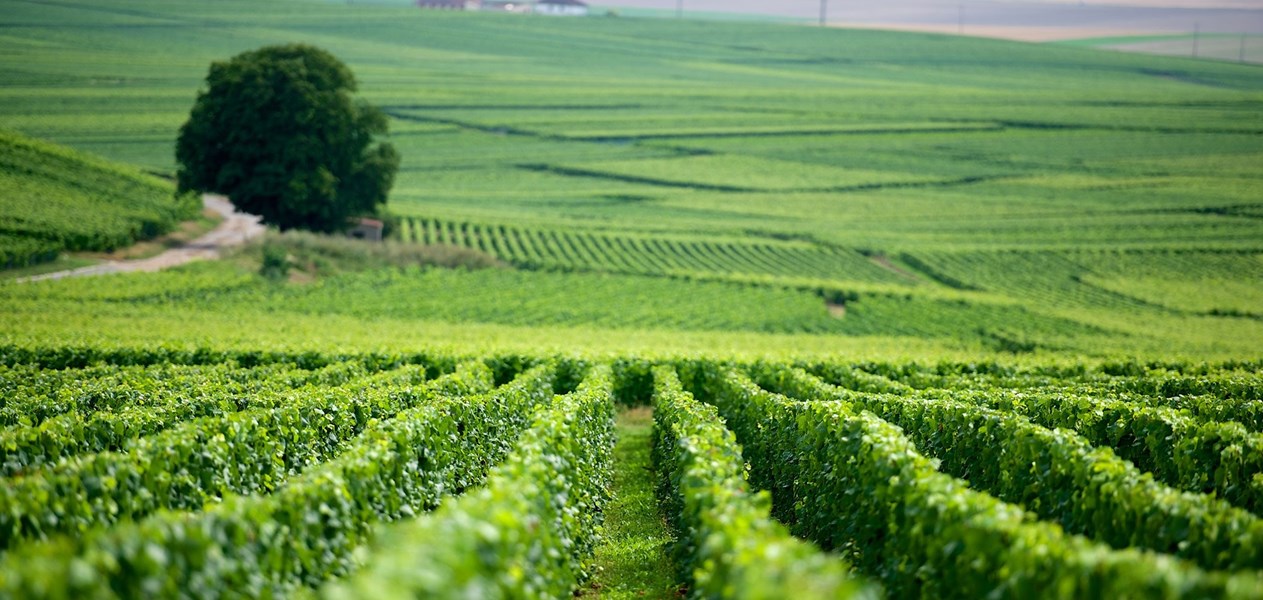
(278, 132)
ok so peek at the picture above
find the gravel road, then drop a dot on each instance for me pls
(236, 229)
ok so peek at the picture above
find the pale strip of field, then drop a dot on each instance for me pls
(1039, 20)
(1228, 30)
(1032, 33)
(1232, 48)
(805, 7)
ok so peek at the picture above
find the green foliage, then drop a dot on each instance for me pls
(850, 481)
(200, 460)
(485, 295)
(1199, 456)
(324, 255)
(96, 414)
(1239, 387)
(1193, 427)
(633, 561)
(1112, 215)
(1058, 475)
(275, 264)
(384, 438)
(1096, 213)
(55, 199)
(276, 130)
(301, 534)
(513, 297)
(53, 364)
(729, 547)
(678, 256)
(528, 533)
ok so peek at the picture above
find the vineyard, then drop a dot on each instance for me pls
(666, 309)
(57, 200)
(211, 473)
(555, 249)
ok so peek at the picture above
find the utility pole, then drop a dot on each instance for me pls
(679, 9)
(1197, 32)
(960, 24)
(824, 12)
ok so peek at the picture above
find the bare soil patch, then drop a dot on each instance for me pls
(884, 262)
(836, 310)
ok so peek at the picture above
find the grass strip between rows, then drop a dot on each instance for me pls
(527, 534)
(729, 546)
(304, 533)
(851, 481)
(632, 560)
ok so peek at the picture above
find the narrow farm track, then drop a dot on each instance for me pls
(237, 228)
(633, 560)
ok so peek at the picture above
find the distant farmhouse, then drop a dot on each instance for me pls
(573, 8)
(449, 4)
(514, 6)
(543, 7)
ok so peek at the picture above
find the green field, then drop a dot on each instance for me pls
(921, 177)
(911, 316)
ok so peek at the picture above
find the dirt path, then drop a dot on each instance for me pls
(236, 229)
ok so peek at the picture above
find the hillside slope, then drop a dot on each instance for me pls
(53, 199)
(966, 192)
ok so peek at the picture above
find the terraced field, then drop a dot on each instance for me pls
(646, 255)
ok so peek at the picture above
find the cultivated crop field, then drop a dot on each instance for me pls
(949, 189)
(59, 200)
(730, 310)
(159, 472)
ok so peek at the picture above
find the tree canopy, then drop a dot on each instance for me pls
(278, 132)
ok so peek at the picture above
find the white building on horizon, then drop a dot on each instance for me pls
(569, 8)
(573, 8)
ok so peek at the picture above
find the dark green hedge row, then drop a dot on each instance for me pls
(1236, 380)
(18, 250)
(1221, 458)
(1187, 453)
(139, 407)
(1244, 386)
(1214, 394)
(527, 533)
(82, 201)
(853, 378)
(729, 546)
(33, 395)
(1210, 408)
(305, 532)
(1204, 407)
(1057, 475)
(201, 460)
(850, 481)
(79, 356)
